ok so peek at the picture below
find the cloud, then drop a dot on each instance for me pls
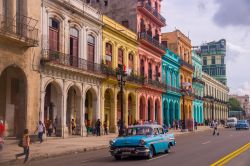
(242, 90)
(232, 13)
(234, 51)
(201, 6)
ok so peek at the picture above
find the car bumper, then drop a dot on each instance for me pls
(143, 152)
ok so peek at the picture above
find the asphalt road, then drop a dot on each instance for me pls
(194, 149)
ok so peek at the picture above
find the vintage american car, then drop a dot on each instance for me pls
(142, 140)
(242, 124)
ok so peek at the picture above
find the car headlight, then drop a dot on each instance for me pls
(111, 142)
(142, 142)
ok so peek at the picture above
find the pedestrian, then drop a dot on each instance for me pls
(41, 130)
(55, 125)
(176, 125)
(105, 125)
(119, 124)
(50, 128)
(195, 124)
(98, 127)
(25, 145)
(2, 129)
(215, 126)
(73, 126)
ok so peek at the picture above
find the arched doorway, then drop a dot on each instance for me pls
(165, 113)
(109, 110)
(157, 111)
(52, 108)
(171, 112)
(73, 112)
(13, 99)
(176, 111)
(90, 108)
(131, 109)
(150, 109)
(142, 108)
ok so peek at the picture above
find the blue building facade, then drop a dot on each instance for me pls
(171, 77)
(198, 88)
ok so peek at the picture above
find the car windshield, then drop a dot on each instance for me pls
(241, 121)
(139, 131)
(230, 120)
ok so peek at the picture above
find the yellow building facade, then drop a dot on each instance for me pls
(181, 45)
(119, 47)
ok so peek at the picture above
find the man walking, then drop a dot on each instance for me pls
(41, 131)
(215, 126)
(25, 145)
(98, 127)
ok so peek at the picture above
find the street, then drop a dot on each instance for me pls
(193, 149)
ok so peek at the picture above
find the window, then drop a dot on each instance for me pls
(74, 46)
(130, 61)
(222, 60)
(149, 32)
(213, 60)
(149, 71)
(91, 52)
(157, 74)
(108, 54)
(54, 29)
(142, 25)
(205, 61)
(125, 23)
(142, 67)
(87, 1)
(120, 56)
(106, 3)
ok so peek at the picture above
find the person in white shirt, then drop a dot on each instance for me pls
(41, 131)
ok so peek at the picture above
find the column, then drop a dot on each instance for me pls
(168, 118)
(82, 115)
(137, 110)
(114, 126)
(125, 108)
(41, 113)
(160, 114)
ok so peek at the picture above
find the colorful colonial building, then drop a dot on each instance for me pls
(120, 47)
(181, 46)
(198, 88)
(71, 74)
(215, 99)
(143, 17)
(171, 78)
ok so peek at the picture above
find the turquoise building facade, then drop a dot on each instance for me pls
(171, 98)
(198, 88)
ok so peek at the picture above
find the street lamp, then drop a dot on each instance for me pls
(184, 91)
(121, 78)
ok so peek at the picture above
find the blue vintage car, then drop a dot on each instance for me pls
(242, 124)
(142, 140)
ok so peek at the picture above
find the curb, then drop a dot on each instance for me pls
(82, 150)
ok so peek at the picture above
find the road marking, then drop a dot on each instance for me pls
(232, 155)
(157, 157)
(85, 161)
(204, 143)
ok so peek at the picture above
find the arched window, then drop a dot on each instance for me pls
(142, 26)
(54, 29)
(131, 61)
(91, 48)
(149, 32)
(120, 56)
(150, 71)
(149, 2)
(74, 40)
(157, 74)
(156, 6)
(108, 54)
(142, 67)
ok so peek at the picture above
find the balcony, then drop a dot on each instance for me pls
(20, 29)
(184, 63)
(173, 89)
(155, 83)
(152, 13)
(198, 81)
(198, 97)
(151, 41)
(55, 57)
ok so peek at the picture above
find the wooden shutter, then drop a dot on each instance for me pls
(53, 39)
(120, 56)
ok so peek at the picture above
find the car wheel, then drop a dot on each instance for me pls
(151, 152)
(167, 150)
(118, 157)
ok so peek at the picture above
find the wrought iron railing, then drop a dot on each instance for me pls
(195, 79)
(70, 61)
(198, 97)
(173, 89)
(184, 63)
(152, 11)
(155, 83)
(150, 39)
(21, 28)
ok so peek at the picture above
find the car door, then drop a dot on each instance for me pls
(164, 140)
(156, 140)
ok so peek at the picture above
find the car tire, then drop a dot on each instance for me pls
(167, 150)
(151, 152)
(118, 157)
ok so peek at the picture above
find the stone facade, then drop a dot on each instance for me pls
(19, 65)
(215, 99)
(244, 103)
(198, 88)
(71, 66)
(171, 77)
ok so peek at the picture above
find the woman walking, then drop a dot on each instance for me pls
(25, 145)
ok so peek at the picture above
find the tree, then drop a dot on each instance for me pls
(235, 105)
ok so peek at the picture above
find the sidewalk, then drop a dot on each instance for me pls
(57, 146)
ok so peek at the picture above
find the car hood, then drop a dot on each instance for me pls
(129, 140)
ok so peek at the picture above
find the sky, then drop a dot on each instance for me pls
(212, 20)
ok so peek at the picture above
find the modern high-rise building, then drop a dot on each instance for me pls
(213, 56)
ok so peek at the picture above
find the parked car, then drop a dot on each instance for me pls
(231, 122)
(242, 124)
(142, 140)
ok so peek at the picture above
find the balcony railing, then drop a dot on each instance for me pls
(20, 28)
(56, 57)
(151, 40)
(173, 89)
(151, 10)
(155, 83)
(195, 79)
(198, 97)
(184, 63)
